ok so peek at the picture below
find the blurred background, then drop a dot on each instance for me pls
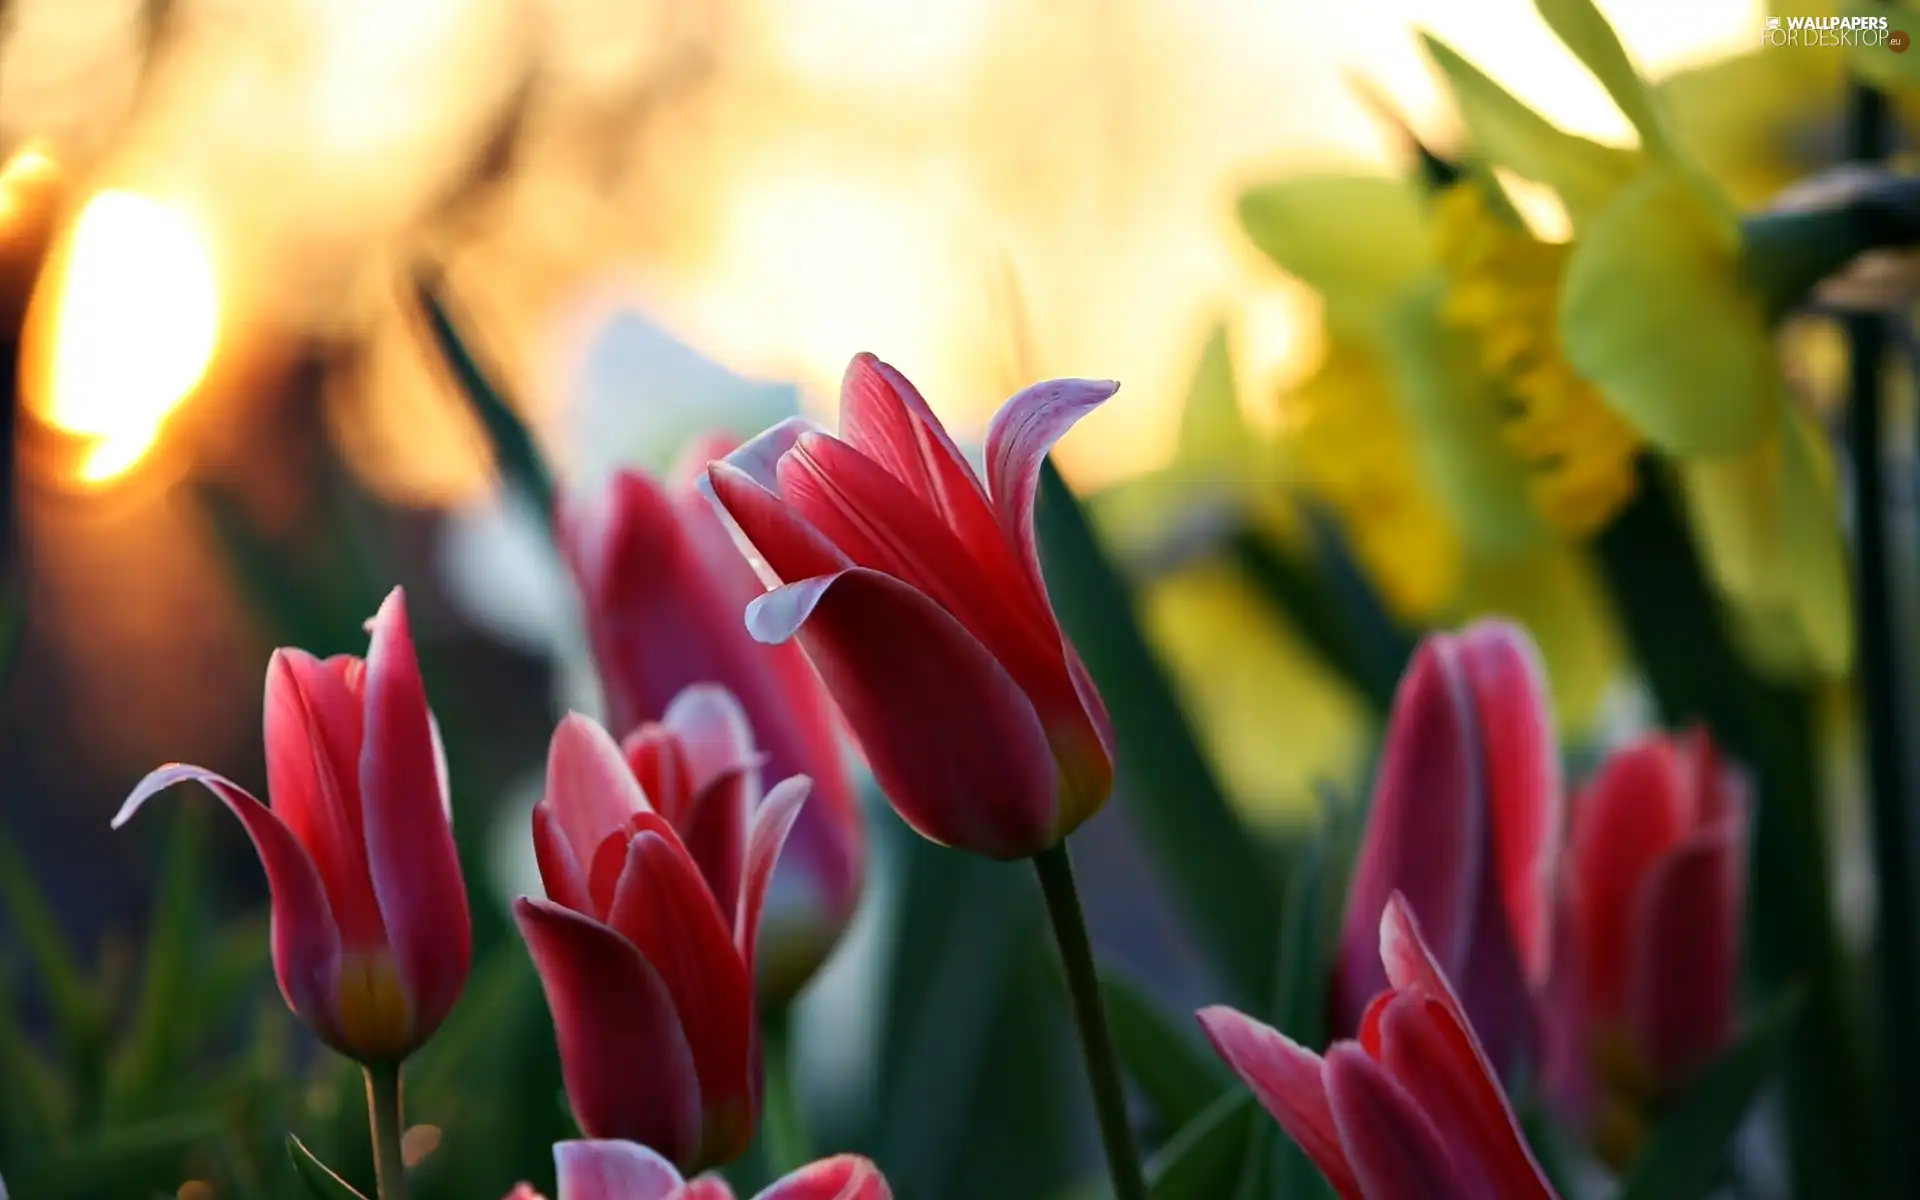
(658, 217)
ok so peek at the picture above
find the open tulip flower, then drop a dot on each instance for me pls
(610, 1170)
(662, 587)
(917, 593)
(645, 944)
(1653, 895)
(1412, 1109)
(370, 931)
(1465, 824)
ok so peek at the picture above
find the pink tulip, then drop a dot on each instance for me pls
(645, 945)
(623, 1171)
(663, 587)
(1465, 823)
(370, 932)
(1653, 891)
(1412, 1110)
(918, 594)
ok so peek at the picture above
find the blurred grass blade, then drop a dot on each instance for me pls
(170, 1010)
(38, 1102)
(1301, 984)
(289, 603)
(1218, 870)
(1175, 1070)
(1203, 1160)
(322, 1184)
(513, 445)
(1688, 1152)
(79, 1011)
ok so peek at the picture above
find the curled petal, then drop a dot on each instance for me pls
(843, 1177)
(628, 1067)
(306, 942)
(409, 842)
(1395, 1152)
(1289, 1082)
(714, 729)
(772, 822)
(952, 740)
(613, 1170)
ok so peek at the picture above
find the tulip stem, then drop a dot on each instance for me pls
(786, 1131)
(383, 1109)
(1055, 867)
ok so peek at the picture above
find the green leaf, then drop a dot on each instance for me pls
(1174, 1069)
(1688, 1151)
(518, 454)
(79, 1011)
(1219, 872)
(39, 1100)
(322, 1184)
(1580, 26)
(170, 1009)
(1586, 174)
(1203, 1160)
(1358, 240)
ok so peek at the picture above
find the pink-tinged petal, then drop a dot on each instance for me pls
(1288, 1080)
(707, 1187)
(1629, 815)
(1392, 1146)
(1426, 830)
(783, 546)
(772, 822)
(842, 1177)
(610, 860)
(884, 417)
(1494, 987)
(1019, 439)
(589, 785)
(1685, 962)
(658, 760)
(410, 850)
(715, 833)
(562, 874)
(613, 1170)
(758, 458)
(714, 729)
(664, 908)
(523, 1191)
(313, 731)
(306, 942)
(1432, 1057)
(952, 740)
(628, 1067)
(1524, 790)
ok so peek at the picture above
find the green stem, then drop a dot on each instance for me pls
(1055, 867)
(784, 1129)
(383, 1110)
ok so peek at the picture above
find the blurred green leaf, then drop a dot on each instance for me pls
(1689, 1150)
(518, 455)
(1583, 30)
(322, 1184)
(1301, 986)
(170, 1010)
(79, 1011)
(1220, 873)
(1174, 1069)
(109, 1159)
(39, 1102)
(1204, 1159)
(296, 605)
(1358, 240)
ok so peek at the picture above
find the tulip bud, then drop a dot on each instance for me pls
(612, 1170)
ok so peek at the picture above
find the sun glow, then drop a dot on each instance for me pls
(132, 313)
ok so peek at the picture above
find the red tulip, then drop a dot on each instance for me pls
(663, 587)
(1412, 1110)
(370, 930)
(645, 945)
(918, 594)
(611, 1170)
(1653, 890)
(1465, 823)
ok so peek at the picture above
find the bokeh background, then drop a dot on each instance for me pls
(660, 216)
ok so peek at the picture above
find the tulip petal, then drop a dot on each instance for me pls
(952, 740)
(772, 822)
(1392, 1146)
(707, 1187)
(715, 834)
(1524, 788)
(613, 1170)
(1425, 1048)
(658, 759)
(313, 732)
(628, 1066)
(306, 941)
(1288, 1079)
(842, 1177)
(610, 860)
(1425, 836)
(562, 874)
(521, 1191)
(1685, 954)
(589, 785)
(409, 846)
(664, 908)
(783, 546)
(1629, 814)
